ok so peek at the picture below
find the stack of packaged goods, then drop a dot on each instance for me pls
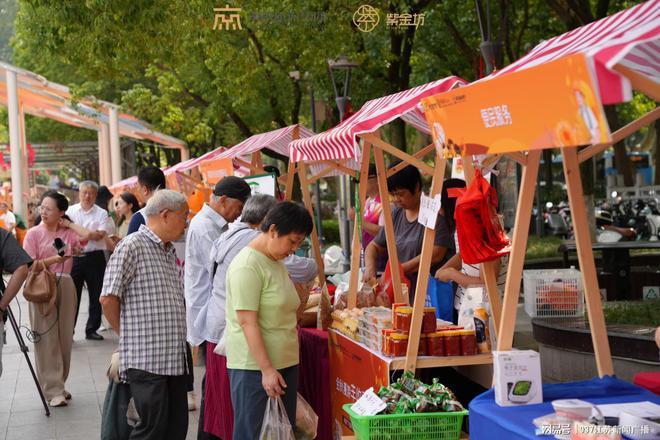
(371, 325)
(346, 322)
(409, 395)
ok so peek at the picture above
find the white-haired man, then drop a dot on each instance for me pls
(143, 301)
(225, 206)
(89, 267)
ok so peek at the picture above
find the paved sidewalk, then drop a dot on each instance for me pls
(22, 416)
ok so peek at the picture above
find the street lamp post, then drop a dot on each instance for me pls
(342, 63)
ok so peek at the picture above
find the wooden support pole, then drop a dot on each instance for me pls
(518, 248)
(357, 232)
(423, 273)
(587, 263)
(389, 227)
(411, 160)
(518, 157)
(321, 174)
(421, 153)
(307, 200)
(625, 131)
(288, 191)
(490, 269)
(640, 82)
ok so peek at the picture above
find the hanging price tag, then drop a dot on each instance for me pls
(428, 210)
(369, 404)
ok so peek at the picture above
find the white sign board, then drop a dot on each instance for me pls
(369, 404)
(651, 292)
(428, 210)
(262, 184)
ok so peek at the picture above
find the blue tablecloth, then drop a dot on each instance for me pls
(490, 421)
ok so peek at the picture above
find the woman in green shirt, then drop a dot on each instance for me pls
(263, 307)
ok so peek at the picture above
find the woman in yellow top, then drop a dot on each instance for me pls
(262, 313)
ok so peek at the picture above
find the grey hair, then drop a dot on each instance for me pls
(164, 199)
(256, 208)
(89, 184)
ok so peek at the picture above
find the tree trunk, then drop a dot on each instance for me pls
(547, 169)
(587, 176)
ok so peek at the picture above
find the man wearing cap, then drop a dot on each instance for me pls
(225, 206)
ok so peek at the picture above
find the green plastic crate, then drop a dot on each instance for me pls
(425, 426)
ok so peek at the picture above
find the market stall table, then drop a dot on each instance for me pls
(491, 421)
(314, 381)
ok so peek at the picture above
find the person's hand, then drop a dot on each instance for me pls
(351, 214)
(76, 251)
(64, 223)
(369, 274)
(62, 258)
(98, 235)
(273, 383)
(445, 274)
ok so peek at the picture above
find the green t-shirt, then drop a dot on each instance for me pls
(256, 282)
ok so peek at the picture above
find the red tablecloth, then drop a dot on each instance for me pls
(314, 383)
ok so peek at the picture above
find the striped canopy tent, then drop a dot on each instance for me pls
(340, 151)
(621, 53)
(623, 48)
(340, 143)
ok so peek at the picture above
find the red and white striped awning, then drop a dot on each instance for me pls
(630, 38)
(340, 142)
(192, 163)
(275, 140)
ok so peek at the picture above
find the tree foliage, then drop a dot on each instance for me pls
(163, 61)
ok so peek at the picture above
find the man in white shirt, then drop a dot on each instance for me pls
(89, 268)
(225, 206)
(8, 218)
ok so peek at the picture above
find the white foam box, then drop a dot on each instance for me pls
(517, 377)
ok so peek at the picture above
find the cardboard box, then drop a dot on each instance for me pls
(517, 377)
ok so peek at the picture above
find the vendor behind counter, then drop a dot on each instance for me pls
(405, 188)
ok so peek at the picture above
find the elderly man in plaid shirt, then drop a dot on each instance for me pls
(143, 300)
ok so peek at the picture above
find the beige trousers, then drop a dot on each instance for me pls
(52, 347)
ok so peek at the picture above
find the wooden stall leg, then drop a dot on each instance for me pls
(307, 199)
(357, 233)
(587, 263)
(423, 273)
(389, 227)
(518, 248)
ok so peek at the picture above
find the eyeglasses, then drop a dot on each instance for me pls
(45, 209)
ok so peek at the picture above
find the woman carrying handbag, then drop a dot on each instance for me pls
(51, 245)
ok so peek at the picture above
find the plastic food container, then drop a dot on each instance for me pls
(423, 347)
(452, 339)
(435, 344)
(468, 342)
(399, 344)
(386, 342)
(402, 319)
(429, 321)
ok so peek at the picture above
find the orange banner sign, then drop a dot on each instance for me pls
(353, 370)
(555, 104)
(215, 169)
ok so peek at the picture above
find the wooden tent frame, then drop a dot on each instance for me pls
(572, 158)
(373, 142)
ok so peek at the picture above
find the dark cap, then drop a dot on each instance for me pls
(233, 187)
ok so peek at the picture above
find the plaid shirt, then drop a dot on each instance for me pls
(142, 273)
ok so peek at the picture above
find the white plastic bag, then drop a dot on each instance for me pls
(276, 424)
(221, 346)
(472, 298)
(307, 421)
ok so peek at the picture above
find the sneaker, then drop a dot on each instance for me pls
(58, 401)
(67, 395)
(192, 405)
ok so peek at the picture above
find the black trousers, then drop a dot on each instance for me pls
(90, 269)
(162, 404)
